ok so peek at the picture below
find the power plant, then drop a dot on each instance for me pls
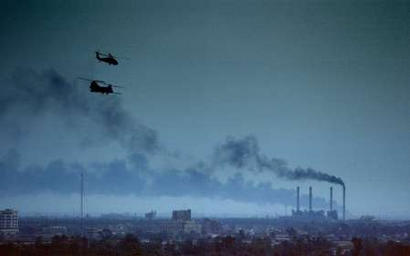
(320, 215)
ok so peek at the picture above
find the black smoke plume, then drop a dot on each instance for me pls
(118, 177)
(244, 153)
(29, 96)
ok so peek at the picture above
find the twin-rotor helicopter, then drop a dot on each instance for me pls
(100, 86)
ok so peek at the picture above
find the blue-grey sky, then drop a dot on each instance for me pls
(320, 84)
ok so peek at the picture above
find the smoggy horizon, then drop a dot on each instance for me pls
(225, 106)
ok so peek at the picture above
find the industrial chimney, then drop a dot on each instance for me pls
(331, 198)
(82, 203)
(344, 203)
(297, 199)
(310, 199)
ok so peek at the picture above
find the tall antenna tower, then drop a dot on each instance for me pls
(82, 203)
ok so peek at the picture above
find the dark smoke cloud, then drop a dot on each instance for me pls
(244, 153)
(118, 177)
(29, 96)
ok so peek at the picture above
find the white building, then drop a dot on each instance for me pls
(9, 223)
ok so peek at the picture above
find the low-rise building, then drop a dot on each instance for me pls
(9, 223)
(192, 227)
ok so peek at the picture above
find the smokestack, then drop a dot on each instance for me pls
(331, 198)
(344, 203)
(82, 203)
(297, 199)
(310, 199)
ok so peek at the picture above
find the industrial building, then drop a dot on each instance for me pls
(181, 215)
(150, 215)
(332, 214)
(182, 223)
(9, 223)
(312, 215)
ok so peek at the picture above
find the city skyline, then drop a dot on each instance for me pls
(314, 85)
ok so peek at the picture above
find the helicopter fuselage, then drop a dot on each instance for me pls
(95, 87)
(110, 59)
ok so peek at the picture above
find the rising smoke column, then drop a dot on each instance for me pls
(244, 154)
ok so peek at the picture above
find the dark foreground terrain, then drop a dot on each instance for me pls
(131, 245)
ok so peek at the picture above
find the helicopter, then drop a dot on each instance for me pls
(97, 88)
(107, 58)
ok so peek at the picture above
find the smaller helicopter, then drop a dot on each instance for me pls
(107, 58)
(97, 88)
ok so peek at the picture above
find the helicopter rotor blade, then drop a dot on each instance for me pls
(102, 54)
(122, 57)
(85, 79)
(117, 86)
(114, 56)
(91, 80)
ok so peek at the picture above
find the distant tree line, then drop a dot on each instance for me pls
(130, 245)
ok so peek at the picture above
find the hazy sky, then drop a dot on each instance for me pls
(320, 84)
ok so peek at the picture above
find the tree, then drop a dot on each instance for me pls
(130, 246)
(357, 246)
